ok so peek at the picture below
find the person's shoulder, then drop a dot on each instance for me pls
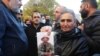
(79, 34)
(96, 15)
(96, 19)
(80, 38)
(3, 10)
(28, 26)
(1, 7)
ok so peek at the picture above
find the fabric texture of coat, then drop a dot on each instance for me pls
(13, 40)
(32, 39)
(71, 43)
(92, 31)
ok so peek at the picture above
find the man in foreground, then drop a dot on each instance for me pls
(13, 41)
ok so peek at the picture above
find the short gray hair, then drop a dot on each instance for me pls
(66, 10)
(69, 11)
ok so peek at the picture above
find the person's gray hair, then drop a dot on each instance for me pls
(69, 11)
(66, 10)
(63, 8)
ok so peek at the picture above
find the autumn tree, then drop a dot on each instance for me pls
(43, 6)
(98, 4)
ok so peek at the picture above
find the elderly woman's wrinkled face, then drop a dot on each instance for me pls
(67, 22)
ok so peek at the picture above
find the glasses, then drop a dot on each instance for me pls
(68, 20)
(36, 17)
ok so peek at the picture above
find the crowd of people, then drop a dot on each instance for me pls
(71, 37)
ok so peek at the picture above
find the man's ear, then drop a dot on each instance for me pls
(87, 6)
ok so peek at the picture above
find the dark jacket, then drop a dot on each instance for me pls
(13, 41)
(92, 30)
(48, 22)
(71, 43)
(32, 39)
(56, 25)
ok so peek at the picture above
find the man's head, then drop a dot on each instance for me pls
(67, 21)
(58, 11)
(47, 17)
(87, 7)
(28, 21)
(14, 5)
(36, 18)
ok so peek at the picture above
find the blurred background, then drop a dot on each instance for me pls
(47, 7)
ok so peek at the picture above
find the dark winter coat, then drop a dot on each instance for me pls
(92, 30)
(13, 40)
(32, 39)
(71, 43)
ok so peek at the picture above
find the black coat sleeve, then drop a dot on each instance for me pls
(82, 49)
(94, 40)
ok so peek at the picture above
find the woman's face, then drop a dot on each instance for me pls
(67, 22)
